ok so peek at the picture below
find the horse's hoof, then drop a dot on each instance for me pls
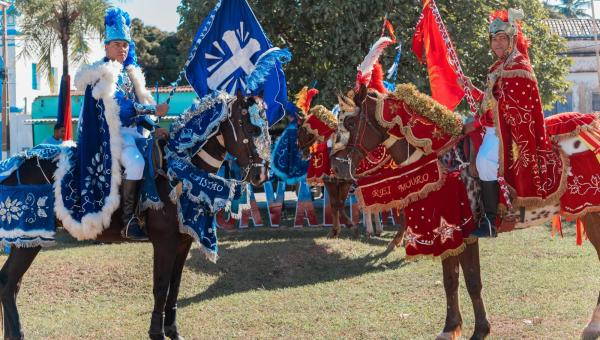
(481, 331)
(157, 336)
(391, 247)
(333, 234)
(591, 332)
(454, 335)
(172, 333)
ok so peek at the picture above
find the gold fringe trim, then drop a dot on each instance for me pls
(507, 74)
(410, 198)
(427, 107)
(325, 116)
(380, 104)
(595, 125)
(588, 210)
(315, 181)
(471, 240)
(423, 144)
(448, 253)
(491, 101)
(536, 202)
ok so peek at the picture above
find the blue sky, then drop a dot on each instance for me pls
(159, 13)
(163, 13)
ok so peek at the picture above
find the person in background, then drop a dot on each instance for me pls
(57, 137)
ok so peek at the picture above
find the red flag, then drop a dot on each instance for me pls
(64, 116)
(442, 75)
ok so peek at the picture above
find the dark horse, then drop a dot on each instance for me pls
(337, 188)
(366, 123)
(170, 246)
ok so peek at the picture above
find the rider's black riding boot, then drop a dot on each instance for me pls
(130, 198)
(487, 223)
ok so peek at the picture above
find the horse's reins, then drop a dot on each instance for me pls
(246, 143)
(356, 145)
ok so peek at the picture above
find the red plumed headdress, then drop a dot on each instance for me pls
(370, 72)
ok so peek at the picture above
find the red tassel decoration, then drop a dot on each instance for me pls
(580, 229)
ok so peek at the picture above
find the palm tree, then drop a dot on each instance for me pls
(553, 11)
(48, 24)
(573, 8)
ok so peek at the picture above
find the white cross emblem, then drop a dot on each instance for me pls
(222, 71)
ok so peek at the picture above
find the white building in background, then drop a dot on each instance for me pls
(26, 83)
(584, 95)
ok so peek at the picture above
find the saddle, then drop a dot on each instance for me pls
(153, 151)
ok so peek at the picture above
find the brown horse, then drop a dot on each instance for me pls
(339, 189)
(170, 246)
(366, 122)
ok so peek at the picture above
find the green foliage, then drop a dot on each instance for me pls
(329, 38)
(48, 24)
(157, 52)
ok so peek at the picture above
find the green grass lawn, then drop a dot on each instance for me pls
(297, 284)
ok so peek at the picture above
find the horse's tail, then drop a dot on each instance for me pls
(2, 318)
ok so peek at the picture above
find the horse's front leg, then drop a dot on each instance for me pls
(368, 223)
(469, 261)
(170, 323)
(452, 327)
(592, 229)
(165, 245)
(18, 262)
(378, 225)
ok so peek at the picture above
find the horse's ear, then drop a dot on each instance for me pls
(361, 95)
(240, 96)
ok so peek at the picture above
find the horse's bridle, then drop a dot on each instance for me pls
(356, 144)
(253, 163)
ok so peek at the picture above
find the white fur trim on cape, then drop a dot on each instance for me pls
(102, 76)
(139, 84)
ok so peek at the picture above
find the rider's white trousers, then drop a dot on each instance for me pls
(131, 159)
(487, 157)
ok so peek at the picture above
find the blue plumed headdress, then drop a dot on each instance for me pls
(117, 25)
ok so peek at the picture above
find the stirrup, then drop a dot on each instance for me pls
(133, 231)
(487, 230)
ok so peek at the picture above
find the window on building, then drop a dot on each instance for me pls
(34, 77)
(559, 107)
(596, 102)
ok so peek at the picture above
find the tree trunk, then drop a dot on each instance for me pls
(65, 55)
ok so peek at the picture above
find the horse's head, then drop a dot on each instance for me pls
(246, 135)
(358, 132)
(317, 126)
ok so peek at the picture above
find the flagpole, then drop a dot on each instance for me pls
(596, 47)
(5, 90)
(454, 58)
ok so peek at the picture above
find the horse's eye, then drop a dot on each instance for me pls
(349, 123)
